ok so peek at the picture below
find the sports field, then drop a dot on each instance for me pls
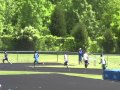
(113, 60)
(52, 75)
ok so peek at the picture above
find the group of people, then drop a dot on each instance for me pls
(85, 57)
(36, 58)
(82, 57)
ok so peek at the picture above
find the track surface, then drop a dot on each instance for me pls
(52, 81)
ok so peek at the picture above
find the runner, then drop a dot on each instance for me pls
(6, 57)
(66, 61)
(36, 58)
(103, 62)
(86, 58)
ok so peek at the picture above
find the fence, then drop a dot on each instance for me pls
(27, 56)
(113, 60)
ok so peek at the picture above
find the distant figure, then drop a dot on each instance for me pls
(6, 57)
(66, 60)
(80, 54)
(36, 58)
(86, 58)
(103, 62)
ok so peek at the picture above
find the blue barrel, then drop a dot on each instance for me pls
(111, 74)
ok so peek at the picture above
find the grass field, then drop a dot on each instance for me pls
(113, 61)
(49, 68)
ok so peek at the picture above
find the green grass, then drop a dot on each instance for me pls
(21, 72)
(73, 61)
(113, 61)
(68, 74)
(92, 76)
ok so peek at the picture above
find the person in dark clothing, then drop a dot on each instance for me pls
(6, 57)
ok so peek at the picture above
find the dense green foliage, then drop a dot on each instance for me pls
(81, 36)
(60, 25)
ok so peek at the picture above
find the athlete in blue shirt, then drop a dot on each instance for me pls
(80, 53)
(36, 58)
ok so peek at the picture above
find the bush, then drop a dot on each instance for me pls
(109, 42)
(69, 44)
(27, 39)
(50, 42)
(93, 46)
(6, 42)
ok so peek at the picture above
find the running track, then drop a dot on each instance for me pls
(52, 81)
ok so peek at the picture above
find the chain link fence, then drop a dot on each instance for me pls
(113, 60)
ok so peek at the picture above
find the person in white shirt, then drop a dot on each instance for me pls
(66, 60)
(103, 62)
(86, 58)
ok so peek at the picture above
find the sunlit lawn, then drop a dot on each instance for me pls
(113, 61)
(68, 74)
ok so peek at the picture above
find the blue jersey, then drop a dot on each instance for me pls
(80, 53)
(36, 56)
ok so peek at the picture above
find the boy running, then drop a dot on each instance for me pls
(86, 58)
(103, 62)
(6, 57)
(66, 61)
(36, 58)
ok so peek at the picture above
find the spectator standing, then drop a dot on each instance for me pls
(80, 54)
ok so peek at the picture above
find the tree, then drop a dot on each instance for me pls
(35, 13)
(108, 42)
(108, 17)
(16, 15)
(114, 12)
(58, 24)
(6, 12)
(81, 36)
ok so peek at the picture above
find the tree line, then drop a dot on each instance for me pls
(64, 25)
